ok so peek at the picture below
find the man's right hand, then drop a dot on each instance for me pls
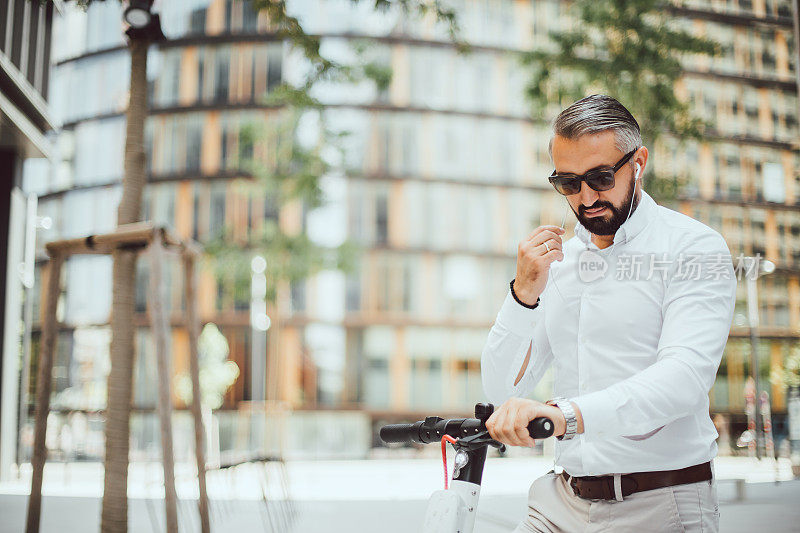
(533, 261)
(509, 422)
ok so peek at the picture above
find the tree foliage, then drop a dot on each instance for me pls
(217, 372)
(284, 169)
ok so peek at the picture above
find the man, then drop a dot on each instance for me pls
(633, 312)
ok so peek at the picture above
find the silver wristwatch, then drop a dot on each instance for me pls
(569, 415)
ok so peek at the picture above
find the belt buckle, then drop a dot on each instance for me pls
(582, 489)
(594, 488)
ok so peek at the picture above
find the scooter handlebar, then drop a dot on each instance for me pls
(541, 428)
(404, 433)
(433, 428)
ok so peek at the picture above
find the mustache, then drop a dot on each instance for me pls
(583, 209)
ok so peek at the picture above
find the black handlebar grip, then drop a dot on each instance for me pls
(400, 433)
(541, 428)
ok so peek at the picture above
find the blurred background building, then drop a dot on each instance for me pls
(24, 120)
(445, 173)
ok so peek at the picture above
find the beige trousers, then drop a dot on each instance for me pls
(554, 507)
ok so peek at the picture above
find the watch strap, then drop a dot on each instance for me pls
(569, 416)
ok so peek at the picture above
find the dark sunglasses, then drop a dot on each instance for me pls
(599, 179)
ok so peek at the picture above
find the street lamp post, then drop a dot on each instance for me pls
(34, 222)
(756, 269)
(259, 324)
(138, 14)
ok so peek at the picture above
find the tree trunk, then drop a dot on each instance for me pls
(115, 492)
(50, 292)
(160, 329)
(190, 279)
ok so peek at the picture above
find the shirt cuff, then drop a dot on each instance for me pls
(598, 411)
(520, 320)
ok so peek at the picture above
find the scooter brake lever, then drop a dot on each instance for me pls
(480, 439)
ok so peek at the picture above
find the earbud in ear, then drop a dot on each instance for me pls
(638, 171)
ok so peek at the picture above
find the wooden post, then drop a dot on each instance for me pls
(47, 347)
(164, 363)
(190, 279)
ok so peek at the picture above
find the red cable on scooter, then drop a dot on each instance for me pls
(451, 440)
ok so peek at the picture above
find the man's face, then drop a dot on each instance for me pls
(600, 212)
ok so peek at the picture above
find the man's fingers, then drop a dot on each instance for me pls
(518, 429)
(550, 246)
(509, 423)
(539, 229)
(546, 235)
(526, 415)
(523, 436)
(553, 255)
(490, 424)
(494, 424)
(507, 433)
(498, 431)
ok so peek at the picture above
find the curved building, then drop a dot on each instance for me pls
(444, 174)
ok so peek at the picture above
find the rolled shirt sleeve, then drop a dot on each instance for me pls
(516, 329)
(697, 315)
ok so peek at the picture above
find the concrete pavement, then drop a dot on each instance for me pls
(389, 496)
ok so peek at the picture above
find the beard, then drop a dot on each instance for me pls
(605, 224)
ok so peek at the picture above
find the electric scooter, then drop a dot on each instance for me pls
(453, 510)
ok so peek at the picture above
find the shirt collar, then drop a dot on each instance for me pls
(631, 227)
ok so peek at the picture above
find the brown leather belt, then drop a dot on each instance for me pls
(602, 487)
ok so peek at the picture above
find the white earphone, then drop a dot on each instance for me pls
(638, 177)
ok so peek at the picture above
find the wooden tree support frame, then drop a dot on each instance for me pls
(139, 237)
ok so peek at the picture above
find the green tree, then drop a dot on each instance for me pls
(217, 372)
(789, 375)
(628, 49)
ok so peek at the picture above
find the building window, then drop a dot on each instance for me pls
(241, 294)
(353, 292)
(194, 139)
(200, 71)
(381, 218)
(274, 67)
(142, 280)
(298, 296)
(217, 213)
(774, 188)
(197, 21)
(249, 17)
(228, 15)
(377, 385)
(222, 74)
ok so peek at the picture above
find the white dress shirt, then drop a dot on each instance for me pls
(638, 354)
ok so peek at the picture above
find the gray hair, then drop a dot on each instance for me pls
(596, 113)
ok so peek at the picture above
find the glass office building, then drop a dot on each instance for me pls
(25, 30)
(445, 173)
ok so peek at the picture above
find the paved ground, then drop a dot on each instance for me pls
(355, 496)
(766, 503)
